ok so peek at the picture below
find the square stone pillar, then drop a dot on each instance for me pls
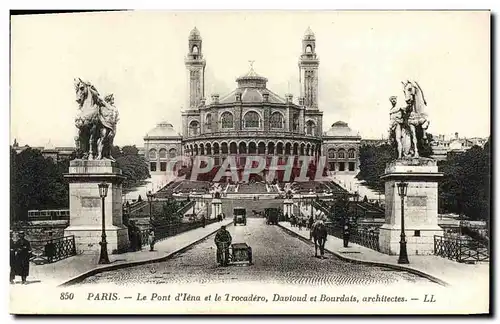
(85, 206)
(288, 207)
(216, 208)
(420, 206)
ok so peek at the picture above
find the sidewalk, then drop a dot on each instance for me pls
(64, 270)
(447, 271)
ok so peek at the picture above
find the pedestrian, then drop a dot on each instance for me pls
(23, 255)
(12, 257)
(50, 248)
(203, 220)
(132, 235)
(345, 235)
(138, 238)
(151, 239)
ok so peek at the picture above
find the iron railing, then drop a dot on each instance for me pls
(164, 231)
(52, 250)
(461, 249)
(366, 238)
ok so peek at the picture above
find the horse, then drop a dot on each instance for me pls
(319, 233)
(96, 122)
(414, 112)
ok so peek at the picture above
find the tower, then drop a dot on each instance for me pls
(308, 65)
(195, 65)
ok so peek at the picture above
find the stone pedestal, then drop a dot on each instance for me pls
(288, 207)
(420, 206)
(216, 208)
(85, 206)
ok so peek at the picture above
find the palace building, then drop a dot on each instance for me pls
(253, 120)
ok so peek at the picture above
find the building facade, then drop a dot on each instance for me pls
(254, 120)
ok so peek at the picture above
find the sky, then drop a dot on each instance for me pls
(139, 57)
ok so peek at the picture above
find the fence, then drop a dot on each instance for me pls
(366, 238)
(52, 250)
(460, 249)
(164, 231)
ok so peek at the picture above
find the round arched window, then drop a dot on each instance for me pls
(252, 119)
(208, 121)
(310, 127)
(331, 153)
(194, 127)
(152, 154)
(309, 49)
(172, 153)
(195, 49)
(226, 120)
(277, 120)
(163, 153)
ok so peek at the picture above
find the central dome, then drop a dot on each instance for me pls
(251, 80)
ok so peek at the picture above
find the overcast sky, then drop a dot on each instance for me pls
(139, 56)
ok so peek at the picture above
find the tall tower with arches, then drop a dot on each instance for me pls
(195, 64)
(308, 66)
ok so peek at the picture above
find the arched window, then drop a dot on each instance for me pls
(172, 153)
(152, 154)
(310, 128)
(208, 122)
(163, 153)
(252, 119)
(277, 120)
(226, 120)
(331, 153)
(194, 128)
(341, 154)
(195, 49)
(351, 154)
(308, 49)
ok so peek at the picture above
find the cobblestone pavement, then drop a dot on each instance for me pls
(278, 258)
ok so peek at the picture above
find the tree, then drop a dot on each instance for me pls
(130, 150)
(465, 188)
(36, 183)
(373, 160)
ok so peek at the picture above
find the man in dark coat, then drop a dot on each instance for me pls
(345, 235)
(23, 254)
(203, 220)
(12, 257)
(222, 236)
(132, 237)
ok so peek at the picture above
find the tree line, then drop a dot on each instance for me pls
(37, 182)
(464, 188)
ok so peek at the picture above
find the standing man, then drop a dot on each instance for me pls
(203, 220)
(151, 239)
(346, 234)
(12, 257)
(23, 254)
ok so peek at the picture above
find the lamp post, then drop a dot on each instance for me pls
(103, 192)
(403, 255)
(149, 195)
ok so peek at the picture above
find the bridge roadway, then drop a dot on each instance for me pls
(278, 258)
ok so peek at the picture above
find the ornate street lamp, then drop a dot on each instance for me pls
(103, 192)
(150, 196)
(403, 255)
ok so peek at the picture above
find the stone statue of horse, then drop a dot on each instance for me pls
(415, 117)
(319, 233)
(96, 122)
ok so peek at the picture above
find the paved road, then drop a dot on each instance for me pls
(278, 257)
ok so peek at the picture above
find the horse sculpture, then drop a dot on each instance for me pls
(410, 122)
(318, 234)
(96, 122)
